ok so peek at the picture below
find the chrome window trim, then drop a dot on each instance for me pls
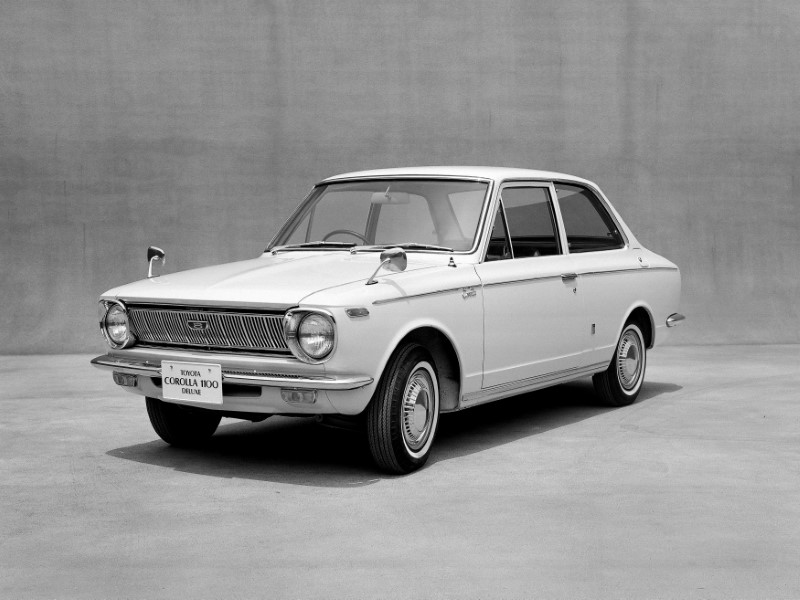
(606, 206)
(504, 218)
(555, 212)
(292, 216)
(584, 184)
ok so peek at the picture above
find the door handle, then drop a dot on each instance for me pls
(568, 276)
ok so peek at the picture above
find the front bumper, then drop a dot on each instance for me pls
(149, 368)
(249, 384)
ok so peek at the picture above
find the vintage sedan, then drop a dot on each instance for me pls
(395, 295)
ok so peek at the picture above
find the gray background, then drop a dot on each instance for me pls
(197, 126)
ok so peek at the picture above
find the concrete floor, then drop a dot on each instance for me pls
(692, 492)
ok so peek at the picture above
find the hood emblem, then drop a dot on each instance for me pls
(197, 325)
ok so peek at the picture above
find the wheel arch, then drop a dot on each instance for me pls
(445, 357)
(643, 317)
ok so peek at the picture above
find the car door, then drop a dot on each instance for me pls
(532, 305)
(607, 269)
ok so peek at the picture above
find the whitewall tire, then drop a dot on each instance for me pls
(619, 385)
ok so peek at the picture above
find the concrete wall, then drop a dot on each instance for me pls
(197, 126)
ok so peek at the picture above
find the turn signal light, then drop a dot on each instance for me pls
(299, 396)
(124, 379)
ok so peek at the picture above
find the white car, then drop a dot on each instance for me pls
(392, 296)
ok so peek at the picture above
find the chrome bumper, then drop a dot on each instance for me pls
(150, 368)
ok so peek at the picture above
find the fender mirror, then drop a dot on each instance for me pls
(154, 255)
(394, 259)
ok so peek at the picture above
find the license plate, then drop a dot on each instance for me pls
(196, 382)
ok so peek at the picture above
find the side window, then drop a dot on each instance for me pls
(531, 225)
(588, 225)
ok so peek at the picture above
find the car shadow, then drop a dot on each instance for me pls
(299, 451)
(522, 416)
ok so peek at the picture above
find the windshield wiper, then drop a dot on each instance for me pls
(317, 244)
(407, 246)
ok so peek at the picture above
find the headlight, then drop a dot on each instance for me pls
(114, 324)
(315, 335)
(311, 335)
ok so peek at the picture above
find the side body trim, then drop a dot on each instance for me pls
(634, 270)
(530, 384)
(422, 295)
(523, 280)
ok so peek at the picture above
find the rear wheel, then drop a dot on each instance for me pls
(179, 425)
(619, 385)
(404, 413)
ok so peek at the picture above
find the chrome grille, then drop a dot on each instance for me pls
(218, 330)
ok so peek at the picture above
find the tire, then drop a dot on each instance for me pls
(404, 412)
(181, 426)
(619, 385)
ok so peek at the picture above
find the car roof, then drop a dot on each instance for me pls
(493, 173)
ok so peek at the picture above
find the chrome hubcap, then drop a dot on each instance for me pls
(629, 359)
(418, 409)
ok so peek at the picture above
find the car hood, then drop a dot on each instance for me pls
(278, 281)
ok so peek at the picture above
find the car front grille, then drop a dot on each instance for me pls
(210, 329)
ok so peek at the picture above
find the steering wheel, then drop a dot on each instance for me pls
(347, 231)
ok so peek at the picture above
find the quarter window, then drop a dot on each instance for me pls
(499, 248)
(588, 225)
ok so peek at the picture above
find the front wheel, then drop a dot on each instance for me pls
(181, 426)
(404, 413)
(619, 385)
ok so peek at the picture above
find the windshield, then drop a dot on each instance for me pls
(422, 214)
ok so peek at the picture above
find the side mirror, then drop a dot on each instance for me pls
(154, 255)
(394, 259)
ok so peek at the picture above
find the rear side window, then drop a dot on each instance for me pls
(588, 225)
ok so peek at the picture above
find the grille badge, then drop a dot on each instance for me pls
(197, 325)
